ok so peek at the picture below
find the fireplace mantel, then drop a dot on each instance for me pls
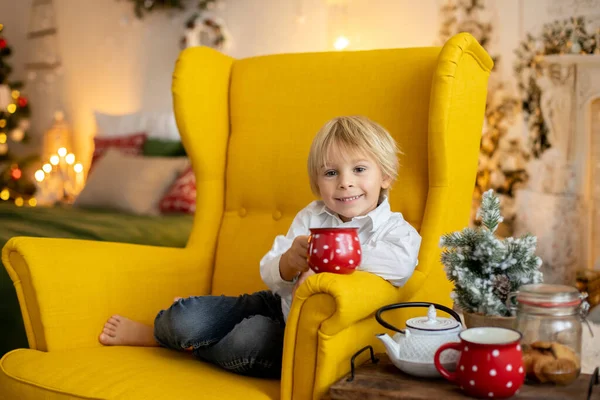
(573, 59)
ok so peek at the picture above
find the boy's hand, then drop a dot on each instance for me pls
(303, 276)
(294, 261)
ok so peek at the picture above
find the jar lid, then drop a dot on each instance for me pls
(548, 295)
(432, 323)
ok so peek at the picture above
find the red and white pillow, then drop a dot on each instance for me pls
(181, 196)
(132, 144)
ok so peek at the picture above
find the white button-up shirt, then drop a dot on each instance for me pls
(390, 245)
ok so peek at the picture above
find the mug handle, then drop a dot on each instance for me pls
(451, 376)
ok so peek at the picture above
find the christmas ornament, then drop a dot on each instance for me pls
(17, 135)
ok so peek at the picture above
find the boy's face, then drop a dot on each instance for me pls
(350, 183)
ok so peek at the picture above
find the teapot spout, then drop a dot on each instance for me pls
(391, 346)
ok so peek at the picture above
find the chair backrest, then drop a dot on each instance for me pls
(265, 111)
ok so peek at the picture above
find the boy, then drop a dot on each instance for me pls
(352, 164)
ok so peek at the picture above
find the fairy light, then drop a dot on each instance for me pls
(2, 123)
(2, 138)
(4, 194)
(60, 177)
(19, 202)
(39, 175)
(16, 174)
(32, 202)
(16, 94)
(11, 108)
(341, 43)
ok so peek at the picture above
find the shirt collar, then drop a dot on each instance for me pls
(378, 216)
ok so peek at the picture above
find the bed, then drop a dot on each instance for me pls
(140, 189)
(69, 222)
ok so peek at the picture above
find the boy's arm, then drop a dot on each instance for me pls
(269, 265)
(393, 256)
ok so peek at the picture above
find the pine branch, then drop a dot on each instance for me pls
(489, 212)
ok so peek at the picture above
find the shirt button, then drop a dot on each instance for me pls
(242, 212)
(277, 215)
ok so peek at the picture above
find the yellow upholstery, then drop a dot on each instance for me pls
(247, 126)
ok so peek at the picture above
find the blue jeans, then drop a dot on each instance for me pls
(240, 334)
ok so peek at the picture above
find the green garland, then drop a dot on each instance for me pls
(558, 37)
(142, 7)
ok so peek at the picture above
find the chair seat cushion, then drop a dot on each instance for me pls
(123, 373)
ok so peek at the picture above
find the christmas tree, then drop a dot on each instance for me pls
(14, 124)
(485, 269)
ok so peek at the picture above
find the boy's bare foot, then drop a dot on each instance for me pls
(121, 331)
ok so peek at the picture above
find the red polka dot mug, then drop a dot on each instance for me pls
(334, 250)
(490, 363)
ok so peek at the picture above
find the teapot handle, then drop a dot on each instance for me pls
(411, 304)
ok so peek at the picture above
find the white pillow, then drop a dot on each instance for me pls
(130, 183)
(157, 125)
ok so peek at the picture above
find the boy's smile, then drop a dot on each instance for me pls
(350, 184)
(349, 199)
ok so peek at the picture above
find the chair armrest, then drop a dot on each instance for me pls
(68, 288)
(356, 296)
(330, 318)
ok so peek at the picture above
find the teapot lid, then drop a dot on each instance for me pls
(432, 323)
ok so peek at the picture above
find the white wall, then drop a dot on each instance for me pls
(114, 63)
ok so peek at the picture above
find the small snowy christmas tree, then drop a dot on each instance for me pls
(485, 269)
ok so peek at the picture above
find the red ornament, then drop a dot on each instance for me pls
(16, 174)
(2, 43)
(22, 101)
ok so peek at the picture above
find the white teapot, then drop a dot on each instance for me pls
(412, 349)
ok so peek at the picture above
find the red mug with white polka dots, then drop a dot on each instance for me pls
(334, 250)
(490, 363)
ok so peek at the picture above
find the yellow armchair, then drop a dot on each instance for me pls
(247, 126)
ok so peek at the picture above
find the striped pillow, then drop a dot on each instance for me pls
(131, 144)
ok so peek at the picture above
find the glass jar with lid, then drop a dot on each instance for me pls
(550, 319)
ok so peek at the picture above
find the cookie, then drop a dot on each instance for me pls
(562, 352)
(540, 360)
(528, 361)
(541, 345)
(561, 372)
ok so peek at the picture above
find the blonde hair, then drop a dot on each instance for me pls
(354, 134)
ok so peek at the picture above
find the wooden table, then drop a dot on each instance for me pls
(383, 381)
